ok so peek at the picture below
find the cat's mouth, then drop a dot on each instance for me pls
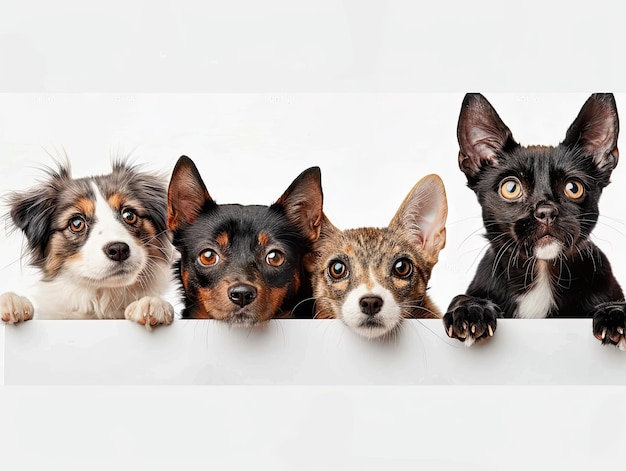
(548, 247)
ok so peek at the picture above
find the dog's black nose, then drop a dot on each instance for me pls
(546, 213)
(242, 294)
(371, 305)
(118, 251)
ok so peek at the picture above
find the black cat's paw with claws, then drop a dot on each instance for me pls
(609, 324)
(471, 319)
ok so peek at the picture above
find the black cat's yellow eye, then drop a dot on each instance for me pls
(128, 216)
(275, 258)
(574, 189)
(511, 188)
(208, 258)
(402, 268)
(337, 270)
(77, 225)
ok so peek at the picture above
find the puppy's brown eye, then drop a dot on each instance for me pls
(208, 258)
(511, 188)
(574, 189)
(77, 225)
(402, 268)
(275, 258)
(129, 217)
(337, 270)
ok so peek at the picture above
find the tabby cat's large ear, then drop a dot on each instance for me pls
(595, 130)
(422, 215)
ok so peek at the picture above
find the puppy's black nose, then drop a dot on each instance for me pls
(371, 305)
(242, 294)
(118, 251)
(546, 213)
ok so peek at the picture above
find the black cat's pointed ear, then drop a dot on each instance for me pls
(186, 194)
(481, 134)
(303, 202)
(595, 130)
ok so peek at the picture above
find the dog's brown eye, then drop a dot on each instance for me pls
(129, 217)
(402, 268)
(77, 225)
(511, 188)
(337, 270)
(275, 258)
(208, 258)
(574, 189)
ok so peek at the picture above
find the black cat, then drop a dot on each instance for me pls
(539, 205)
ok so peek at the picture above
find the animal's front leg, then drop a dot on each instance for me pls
(150, 311)
(609, 324)
(15, 308)
(471, 319)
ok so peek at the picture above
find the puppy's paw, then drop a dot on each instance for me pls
(150, 311)
(471, 319)
(14, 308)
(609, 324)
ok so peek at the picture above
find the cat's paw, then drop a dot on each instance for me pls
(15, 308)
(471, 319)
(150, 311)
(609, 324)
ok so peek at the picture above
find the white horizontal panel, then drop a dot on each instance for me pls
(305, 352)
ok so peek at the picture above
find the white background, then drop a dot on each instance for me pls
(371, 95)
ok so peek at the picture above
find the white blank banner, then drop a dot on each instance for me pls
(301, 352)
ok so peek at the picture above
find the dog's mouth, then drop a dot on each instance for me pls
(242, 318)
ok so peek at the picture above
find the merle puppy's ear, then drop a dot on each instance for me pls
(595, 130)
(422, 215)
(481, 134)
(31, 211)
(186, 196)
(303, 201)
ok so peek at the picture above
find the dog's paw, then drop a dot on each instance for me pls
(609, 324)
(471, 319)
(150, 311)
(14, 308)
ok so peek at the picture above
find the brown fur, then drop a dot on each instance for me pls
(370, 254)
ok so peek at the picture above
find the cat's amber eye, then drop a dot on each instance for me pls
(208, 258)
(402, 268)
(77, 225)
(128, 216)
(574, 189)
(275, 258)
(511, 188)
(337, 270)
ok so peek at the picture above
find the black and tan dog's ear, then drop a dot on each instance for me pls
(303, 201)
(595, 130)
(481, 134)
(422, 215)
(186, 196)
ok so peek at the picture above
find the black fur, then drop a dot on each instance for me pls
(198, 224)
(582, 281)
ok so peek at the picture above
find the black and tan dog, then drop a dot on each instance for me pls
(242, 264)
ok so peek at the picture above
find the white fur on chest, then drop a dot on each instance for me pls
(537, 302)
(62, 299)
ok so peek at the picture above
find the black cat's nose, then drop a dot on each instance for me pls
(371, 305)
(546, 213)
(242, 294)
(117, 251)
